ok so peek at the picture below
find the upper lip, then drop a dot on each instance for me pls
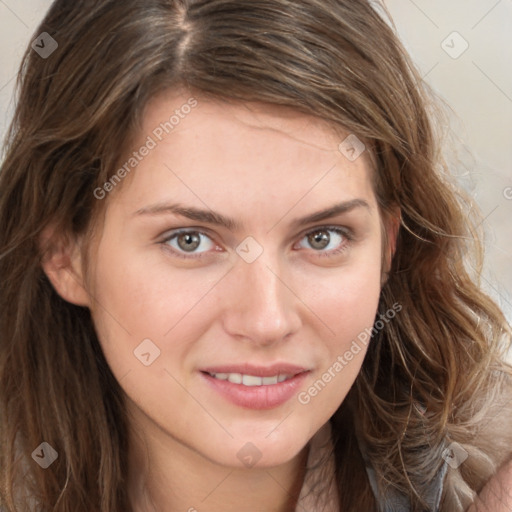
(257, 371)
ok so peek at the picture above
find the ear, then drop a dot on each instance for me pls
(391, 225)
(62, 263)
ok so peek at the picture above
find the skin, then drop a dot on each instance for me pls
(264, 166)
(496, 496)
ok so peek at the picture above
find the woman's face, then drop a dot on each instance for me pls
(259, 286)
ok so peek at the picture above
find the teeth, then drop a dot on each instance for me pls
(235, 378)
(250, 380)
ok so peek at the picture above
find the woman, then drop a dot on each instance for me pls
(234, 273)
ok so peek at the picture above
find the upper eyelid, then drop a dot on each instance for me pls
(167, 235)
(328, 227)
(205, 231)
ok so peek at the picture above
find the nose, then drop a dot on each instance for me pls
(261, 306)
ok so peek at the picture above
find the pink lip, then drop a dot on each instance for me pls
(257, 397)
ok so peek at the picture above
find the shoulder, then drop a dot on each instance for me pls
(496, 496)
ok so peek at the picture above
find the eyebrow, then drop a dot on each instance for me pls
(210, 217)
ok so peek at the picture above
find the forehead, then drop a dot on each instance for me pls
(226, 151)
(250, 117)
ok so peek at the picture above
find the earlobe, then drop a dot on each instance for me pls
(61, 261)
(392, 227)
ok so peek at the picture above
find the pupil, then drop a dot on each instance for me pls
(319, 240)
(188, 242)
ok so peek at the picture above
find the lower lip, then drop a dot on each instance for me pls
(257, 397)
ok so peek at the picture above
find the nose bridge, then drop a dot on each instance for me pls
(262, 307)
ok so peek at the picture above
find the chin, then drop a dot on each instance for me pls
(260, 452)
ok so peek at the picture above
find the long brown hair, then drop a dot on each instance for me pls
(433, 375)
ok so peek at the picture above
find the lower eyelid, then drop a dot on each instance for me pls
(334, 252)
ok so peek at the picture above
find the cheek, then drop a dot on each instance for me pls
(137, 299)
(140, 288)
(346, 298)
(346, 302)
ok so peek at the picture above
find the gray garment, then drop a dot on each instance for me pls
(395, 502)
(319, 492)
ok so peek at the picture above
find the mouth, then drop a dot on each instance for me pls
(254, 387)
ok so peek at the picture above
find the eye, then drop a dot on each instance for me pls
(187, 241)
(328, 239)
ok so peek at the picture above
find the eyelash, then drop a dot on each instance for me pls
(343, 232)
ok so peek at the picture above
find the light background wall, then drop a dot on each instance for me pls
(476, 83)
(478, 87)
